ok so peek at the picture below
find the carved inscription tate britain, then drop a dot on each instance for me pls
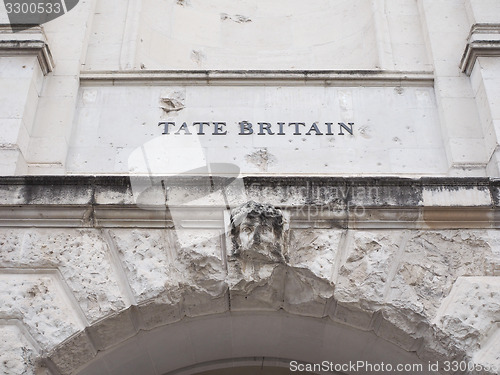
(260, 128)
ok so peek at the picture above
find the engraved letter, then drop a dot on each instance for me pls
(265, 126)
(329, 127)
(218, 128)
(183, 127)
(166, 124)
(297, 124)
(200, 127)
(344, 126)
(281, 124)
(246, 128)
(314, 127)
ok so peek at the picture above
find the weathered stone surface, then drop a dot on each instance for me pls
(432, 262)
(79, 291)
(437, 346)
(11, 194)
(306, 294)
(363, 276)
(406, 275)
(309, 282)
(457, 196)
(426, 269)
(259, 233)
(258, 253)
(366, 266)
(159, 312)
(119, 194)
(296, 192)
(33, 190)
(489, 355)
(174, 267)
(58, 194)
(315, 250)
(16, 359)
(81, 255)
(401, 326)
(256, 286)
(492, 237)
(76, 352)
(268, 272)
(40, 302)
(392, 68)
(148, 258)
(387, 192)
(471, 310)
(202, 271)
(113, 329)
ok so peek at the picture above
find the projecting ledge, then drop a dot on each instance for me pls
(315, 202)
(352, 78)
(31, 42)
(483, 41)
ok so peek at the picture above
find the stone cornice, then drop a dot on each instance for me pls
(323, 202)
(370, 78)
(31, 42)
(483, 41)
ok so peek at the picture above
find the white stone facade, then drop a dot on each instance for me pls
(333, 193)
(417, 78)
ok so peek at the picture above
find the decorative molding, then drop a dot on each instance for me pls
(342, 203)
(368, 78)
(483, 41)
(30, 42)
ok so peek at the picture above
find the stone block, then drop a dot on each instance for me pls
(461, 118)
(157, 313)
(148, 259)
(468, 151)
(12, 162)
(81, 256)
(113, 329)
(353, 316)
(459, 197)
(17, 354)
(485, 11)
(432, 262)
(367, 268)
(470, 309)
(40, 301)
(76, 352)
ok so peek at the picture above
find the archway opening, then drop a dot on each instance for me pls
(222, 343)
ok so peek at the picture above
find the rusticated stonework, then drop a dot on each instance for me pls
(414, 262)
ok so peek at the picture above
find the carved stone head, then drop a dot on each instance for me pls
(258, 232)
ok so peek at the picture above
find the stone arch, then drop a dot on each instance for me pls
(75, 293)
(204, 288)
(190, 345)
(234, 339)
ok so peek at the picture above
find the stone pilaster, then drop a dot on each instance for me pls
(481, 61)
(24, 60)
